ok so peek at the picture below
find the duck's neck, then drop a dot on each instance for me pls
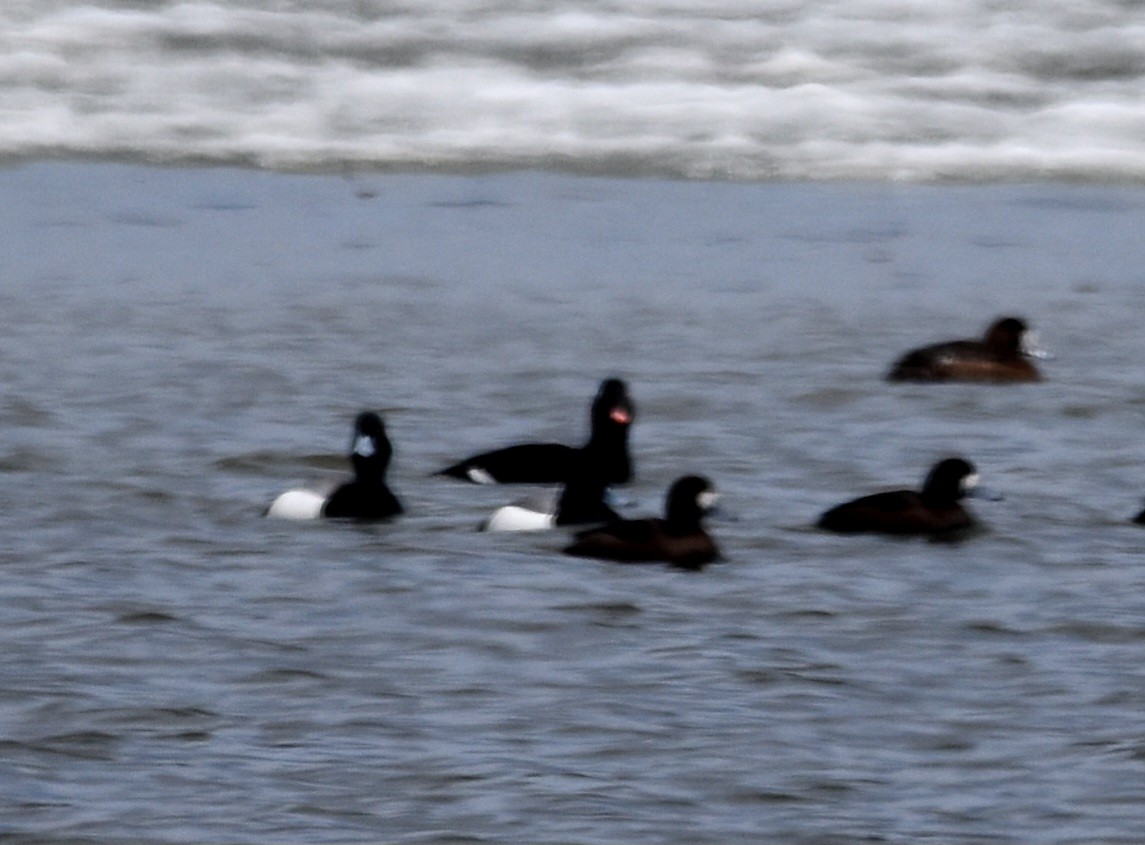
(683, 519)
(939, 497)
(608, 447)
(369, 471)
(583, 504)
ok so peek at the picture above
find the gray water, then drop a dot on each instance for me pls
(179, 346)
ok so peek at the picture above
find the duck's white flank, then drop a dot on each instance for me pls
(297, 504)
(536, 512)
(517, 518)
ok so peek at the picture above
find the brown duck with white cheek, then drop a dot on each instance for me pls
(935, 510)
(1002, 355)
(679, 538)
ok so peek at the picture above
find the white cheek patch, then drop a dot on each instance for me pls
(1030, 346)
(707, 500)
(364, 446)
(969, 482)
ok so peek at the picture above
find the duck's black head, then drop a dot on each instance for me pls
(949, 481)
(689, 498)
(612, 407)
(1009, 337)
(370, 450)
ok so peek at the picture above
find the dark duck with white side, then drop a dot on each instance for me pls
(365, 497)
(679, 538)
(552, 463)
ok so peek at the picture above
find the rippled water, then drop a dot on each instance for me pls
(180, 345)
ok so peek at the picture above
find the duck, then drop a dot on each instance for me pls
(580, 502)
(678, 539)
(935, 510)
(1140, 518)
(365, 497)
(611, 418)
(1002, 355)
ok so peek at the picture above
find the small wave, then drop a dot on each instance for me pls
(82, 745)
(146, 617)
(285, 676)
(272, 463)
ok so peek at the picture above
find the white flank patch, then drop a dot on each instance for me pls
(297, 504)
(517, 518)
(479, 476)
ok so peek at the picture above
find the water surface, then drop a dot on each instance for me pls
(178, 346)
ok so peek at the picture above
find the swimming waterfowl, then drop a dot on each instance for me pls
(611, 416)
(366, 497)
(580, 502)
(679, 538)
(1002, 355)
(934, 510)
